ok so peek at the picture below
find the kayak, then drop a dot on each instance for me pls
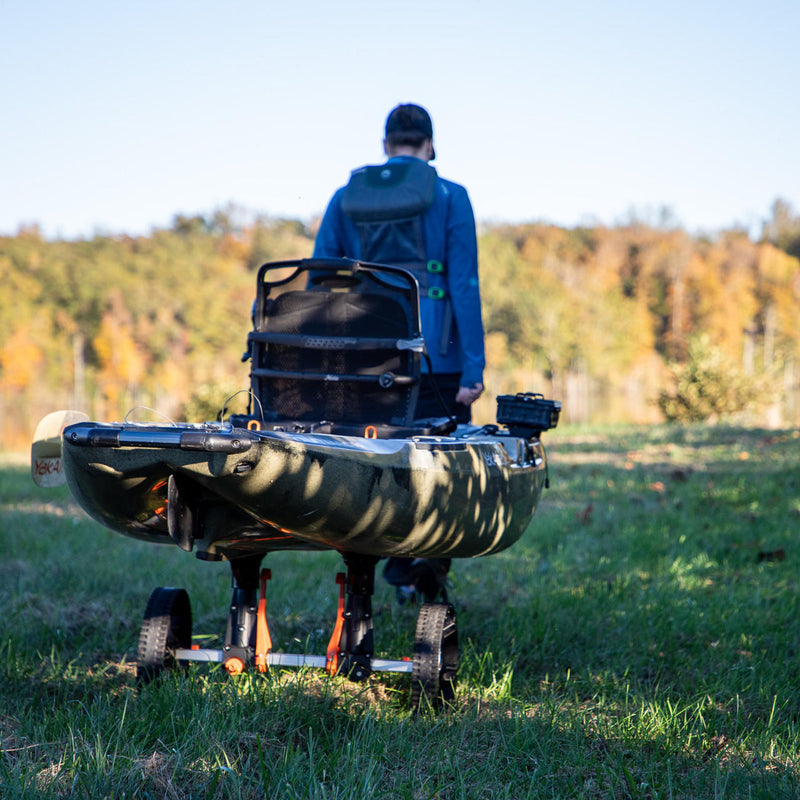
(229, 492)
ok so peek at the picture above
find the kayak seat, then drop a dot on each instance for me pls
(336, 347)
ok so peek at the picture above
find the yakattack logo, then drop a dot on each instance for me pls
(48, 466)
(48, 472)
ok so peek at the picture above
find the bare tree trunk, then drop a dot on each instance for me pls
(791, 391)
(749, 350)
(677, 268)
(78, 373)
(769, 336)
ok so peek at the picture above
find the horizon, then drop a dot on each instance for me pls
(659, 219)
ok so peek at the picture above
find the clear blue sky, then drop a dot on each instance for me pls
(117, 116)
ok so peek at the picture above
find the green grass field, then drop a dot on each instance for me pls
(641, 641)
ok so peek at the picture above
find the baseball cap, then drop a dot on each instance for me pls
(410, 118)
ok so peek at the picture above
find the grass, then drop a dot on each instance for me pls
(641, 641)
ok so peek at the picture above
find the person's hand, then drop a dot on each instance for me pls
(467, 396)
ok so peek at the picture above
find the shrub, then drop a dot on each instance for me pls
(709, 387)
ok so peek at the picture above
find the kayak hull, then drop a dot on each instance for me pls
(229, 492)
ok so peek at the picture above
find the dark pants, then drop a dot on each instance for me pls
(426, 577)
(428, 574)
(429, 404)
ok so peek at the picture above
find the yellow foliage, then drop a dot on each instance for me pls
(496, 345)
(120, 358)
(777, 267)
(19, 359)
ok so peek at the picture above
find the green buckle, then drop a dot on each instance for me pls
(436, 293)
(435, 266)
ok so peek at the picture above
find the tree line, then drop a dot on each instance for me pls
(610, 320)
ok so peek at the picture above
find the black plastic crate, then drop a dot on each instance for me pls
(527, 413)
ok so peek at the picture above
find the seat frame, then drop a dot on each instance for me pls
(337, 287)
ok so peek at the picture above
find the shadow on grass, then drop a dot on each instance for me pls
(306, 736)
(303, 736)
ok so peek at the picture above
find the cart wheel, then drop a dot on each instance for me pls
(433, 677)
(167, 626)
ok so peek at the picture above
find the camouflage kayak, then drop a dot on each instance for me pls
(228, 492)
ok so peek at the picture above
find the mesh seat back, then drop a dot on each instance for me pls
(329, 352)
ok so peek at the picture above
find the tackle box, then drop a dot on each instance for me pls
(527, 413)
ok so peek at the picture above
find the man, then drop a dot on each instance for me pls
(403, 213)
(424, 223)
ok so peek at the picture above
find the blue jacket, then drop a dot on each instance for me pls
(449, 231)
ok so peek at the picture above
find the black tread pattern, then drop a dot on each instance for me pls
(435, 661)
(167, 625)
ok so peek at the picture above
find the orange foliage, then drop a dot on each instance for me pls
(19, 359)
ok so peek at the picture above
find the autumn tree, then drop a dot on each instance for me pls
(783, 228)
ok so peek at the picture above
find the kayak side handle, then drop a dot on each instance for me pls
(204, 441)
